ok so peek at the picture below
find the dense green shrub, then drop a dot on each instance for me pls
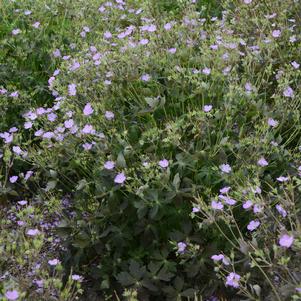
(157, 111)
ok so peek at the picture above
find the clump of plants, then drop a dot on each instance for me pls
(176, 138)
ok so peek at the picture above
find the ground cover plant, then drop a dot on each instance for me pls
(150, 150)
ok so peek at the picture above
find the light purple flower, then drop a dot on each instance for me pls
(107, 35)
(17, 150)
(272, 122)
(257, 208)
(163, 163)
(167, 26)
(295, 65)
(87, 146)
(248, 1)
(286, 240)
(144, 42)
(206, 71)
(218, 257)
(276, 33)
(14, 94)
(225, 168)
(36, 24)
(88, 129)
(16, 31)
(233, 280)
(77, 277)
(12, 295)
(22, 203)
(53, 262)
(145, 77)
(207, 108)
(262, 162)
(69, 123)
(253, 225)
(109, 165)
(13, 179)
(247, 204)
(120, 178)
(195, 209)
(181, 247)
(109, 115)
(51, 117)
(282, 179)
(57, 53)
(33, 232)
(172, 50)
(28, 174)
(281, 210)
(225, 190)
(217, 205)
(88, 110)
(288, 92)
(72, 89)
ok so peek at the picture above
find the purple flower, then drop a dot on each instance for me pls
(225, 168)
(77, 277)
(88, 110)
(53, 262)
(88, 129)
(282, 179)
(220, 257)
(33, 232)
(14, 94)
(12, 295)
(281, 210)
(69, 123)
(295, 65)
(288, 92)
(181, 247)
(248, 1)
(22, 203)
(107, 35)
(257, 208)
(51, 117)
(217, 257)
(167, 26)
(253, 225)
(247, 204)
(109, 165)
(286, 240)
(13, 179)
(36, 24)
(217, 205)
(57, 53)
(144, 42)
(16, 31)
(109, 115)
(172, 50)
(207, 108)
(233, 280)
(17, 150)
(145, 77)
(206, 71)
(262, 162)
(72, 89)
(272, 122)
(276, 33)
(27, 125)
(195, 209)
(120, 178)
(163, 163)
(87, 146)
(28, 174)
(225, 190)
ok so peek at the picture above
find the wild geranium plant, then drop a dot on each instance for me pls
(164, 162)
